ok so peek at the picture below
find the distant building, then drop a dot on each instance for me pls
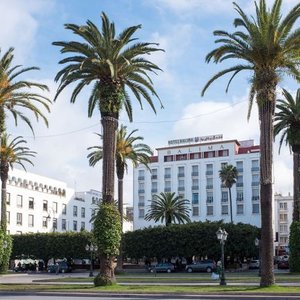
(283, 219)
(190, 168)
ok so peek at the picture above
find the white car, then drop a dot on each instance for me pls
(254, 264)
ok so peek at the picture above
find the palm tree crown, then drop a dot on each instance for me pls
(228, 175)
(169, 208)
(112, 62)
(15, 95)
(287, 120)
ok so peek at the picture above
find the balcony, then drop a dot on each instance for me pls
(224, 200)
(141, 178)
(255, 183)
(141, 191)
(255, 198)
(154, 177)
(181, 188)
(240, 199)
(195, 174)
(210, 200)
(240, 170)
(209, 172)
(209, 187)
(167, 189)
(180, 174)
(167, 176)
(141, 204)
(154, 190)
(255, 169)
(239, 184)
(195, 187)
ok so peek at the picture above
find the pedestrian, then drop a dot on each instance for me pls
(57, 268)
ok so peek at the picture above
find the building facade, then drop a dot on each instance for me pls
(40, 204)
(190, 168)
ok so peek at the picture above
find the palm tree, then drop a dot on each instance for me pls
(16, 95)
(115, 64)
(12, 152)
(228, 175)
(169, 208)
(126, 150)
(287, 122)
(268, 48)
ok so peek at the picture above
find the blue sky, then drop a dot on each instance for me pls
(183, 28)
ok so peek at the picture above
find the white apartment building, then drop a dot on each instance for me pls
(283, 219)
(40, 204)
(190, 167)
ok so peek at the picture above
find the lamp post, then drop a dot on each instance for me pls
(257, 244)
(91, 248)
(222, 237)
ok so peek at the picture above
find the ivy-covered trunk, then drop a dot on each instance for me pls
(296, 171)
(4, 176)
(266, 97)
(230, 202)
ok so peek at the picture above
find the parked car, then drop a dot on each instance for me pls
(64, 267)
(283, 264)
(162, 267)
(254, 264)
(207, 265)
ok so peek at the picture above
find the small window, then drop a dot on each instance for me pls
(8, 217)
(255, 208)
(64, 209)
(19, 201)
(224, 209)
(54, 224)
(209, 210)
(82, 226)
(30, 220)
(75, 225)
(63, 224)
(141, 213)
(55, 206)
(240, 209)
(45, 205)
(82, 212)
(195, 211)
(7, 198)
(30, 203)
(75, 211)
(45, 222)
(19, 219)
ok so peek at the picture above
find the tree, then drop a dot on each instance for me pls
(12, 152)
(16, 95)
(115, 64)
(287, 122)
(268, 48)
(126, 150)
(169, 208)
(228, 175)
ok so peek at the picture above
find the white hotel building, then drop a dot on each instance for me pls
(190, 167)
(41, 204)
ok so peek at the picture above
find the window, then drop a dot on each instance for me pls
(141, 201)
(224, 196)
(180, 171)
(239, 196)
(255, 179)
(283, 217)
(283, 240)
(240, 209)
(54, 224)
(195, 155)
(254, 165)
(141, 213)
(75, 211)
(223, 152)
(195, 211)
(209, 169)
(19, 219)
(64, 209)
(141, 175)
(82, 212)
(209, 183)
(195, 170)
(224, 209)
(239, 181)
(180, 185)
(195, 198)
(82, 226)
(19, 201)
(167, 172)
(283, 205)
(195, 184)
(239, 166)
(30, 220)
(30, 203)
(209, 197)
(167, 186)
(141, 187)
(154, 187)
(45, 205)
(255, 194)
(223, 165)
(168, 158)
(255, 208)
(8, 217)
(55, 207)
(45, 222)
(283, 228)
(154, 174)
(209, 210)
(63, 224)
(75, 225)
(7, 198)
(93, 212)
(181, 157)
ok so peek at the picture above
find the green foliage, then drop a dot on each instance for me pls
(187, 240)
(5, 251)
(102, 280)
(107, 229)
(48, 245)
(294, 259)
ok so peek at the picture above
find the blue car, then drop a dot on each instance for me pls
(162, 267)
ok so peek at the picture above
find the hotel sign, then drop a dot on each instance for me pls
(198, 139)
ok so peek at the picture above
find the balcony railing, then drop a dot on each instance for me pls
(141, 204)
(239, 184)
(209, 187)
(153, 176)
(195, 187)
(141, 191)
(141, 178)
(181, 188)
(255, 183)
(180, 174)
(195, 173)
(167, 189)
(167, 175)
(154, 190)
(210, 172)
(210, 200)
(255, 169)
(255, 198)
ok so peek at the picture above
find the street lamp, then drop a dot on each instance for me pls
(257, 244)
(91, 248)
(222, 237)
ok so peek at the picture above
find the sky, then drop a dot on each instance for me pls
(183, 28)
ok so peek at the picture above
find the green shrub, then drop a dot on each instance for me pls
(5, 251)
(294, 259)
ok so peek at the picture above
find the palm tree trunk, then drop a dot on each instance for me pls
(110, 126)
(296, 171)
(120, 207)
(230, 202)
(4, 176)
(266, 105)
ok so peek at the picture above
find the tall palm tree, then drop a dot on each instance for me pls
(287, 122)
(16, 95)
(168, 208)
(12, 152)
(115, 64)
(228, 175)
(126, 150)
(268, 47)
